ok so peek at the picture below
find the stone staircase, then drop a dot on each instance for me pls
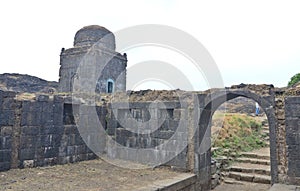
(251, 166)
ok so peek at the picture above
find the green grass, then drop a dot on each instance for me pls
(239, 133)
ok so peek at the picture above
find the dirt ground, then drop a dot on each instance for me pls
(86, 175)
(244, 187)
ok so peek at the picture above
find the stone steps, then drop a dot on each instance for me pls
(255, 155)
(251, 167)
(253, 161)
(228, 180)
(263, 179)
(263, 170)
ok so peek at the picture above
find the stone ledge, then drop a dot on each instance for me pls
(180, 182)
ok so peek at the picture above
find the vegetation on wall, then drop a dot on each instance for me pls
(295, 79)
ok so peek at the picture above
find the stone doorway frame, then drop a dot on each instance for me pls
(207, 105)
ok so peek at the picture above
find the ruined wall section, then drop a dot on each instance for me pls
(170, 119)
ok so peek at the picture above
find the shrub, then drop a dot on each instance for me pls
(295, 79)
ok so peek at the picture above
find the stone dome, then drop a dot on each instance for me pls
(89, 35)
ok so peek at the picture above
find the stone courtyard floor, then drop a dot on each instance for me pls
(86, 175)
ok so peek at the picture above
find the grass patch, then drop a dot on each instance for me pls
(237, 133)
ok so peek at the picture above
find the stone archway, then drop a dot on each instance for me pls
(208, 104)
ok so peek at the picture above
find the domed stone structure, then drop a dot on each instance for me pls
(90, 35)
(107, 64)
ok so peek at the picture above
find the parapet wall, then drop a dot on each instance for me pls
(33, 134)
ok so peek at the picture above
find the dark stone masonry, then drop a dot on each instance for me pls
(33, 134)
(93, 63)
(154, 127)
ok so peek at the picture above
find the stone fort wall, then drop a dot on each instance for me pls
(42, 132)
(34, 133)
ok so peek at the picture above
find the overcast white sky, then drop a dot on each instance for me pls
(255, 41)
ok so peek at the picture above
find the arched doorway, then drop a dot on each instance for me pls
(208, 104)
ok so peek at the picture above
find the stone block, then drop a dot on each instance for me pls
(142, 143)
(50, 152)
(293, 139)
(160, 134)
(5, 142)
(50, 161)
(79, 140)
(48, 106)
(30, 130)
(215, 181)
(58, 118)
(9, 104)
(51, 129)
(26, 105)
(292, 110)
(70, 129)
(292, 100)
(64, 160)
(156, 142)
(5, 155)
(49, 140)
(164, 126)
(27, 154)
(132, 142)
(31, 118)
(213, 168)
(58, 99)
(70, 150)
(42, 98)
(47, 118)
(72, 139)
(91, 156)
(80, 149)
(28, 163)
(82, 157)
(247, 177)
(179, 161)
(292, 125)
(4, 166)
(112, 123)
(6, 131)
(111, 131)
(262, 179)
(8, 94)
(29, 142)
(62, 151)
(7, 118)
(173, 125)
